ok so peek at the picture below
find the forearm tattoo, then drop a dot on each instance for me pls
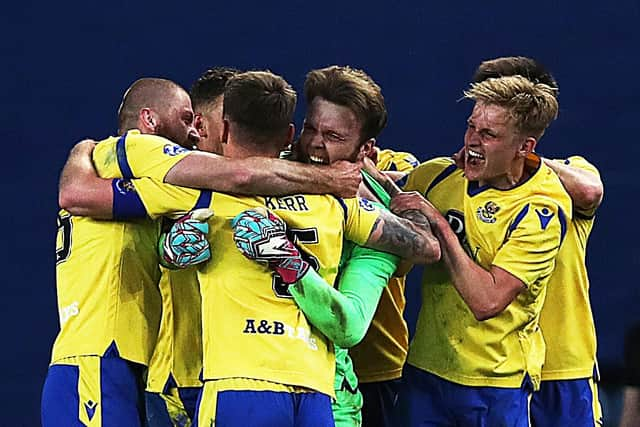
(408, 239)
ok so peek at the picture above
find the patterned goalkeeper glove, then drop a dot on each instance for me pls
(261, 236)
(186, 242)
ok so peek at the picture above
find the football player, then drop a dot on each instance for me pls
(477, 353)
(107, 272)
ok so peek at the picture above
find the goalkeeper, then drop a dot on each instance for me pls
(342, 315)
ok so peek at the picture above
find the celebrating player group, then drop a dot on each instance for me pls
(218, 267)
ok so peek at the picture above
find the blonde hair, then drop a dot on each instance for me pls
(532, 106)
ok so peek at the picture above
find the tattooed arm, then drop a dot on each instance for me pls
(409, 237)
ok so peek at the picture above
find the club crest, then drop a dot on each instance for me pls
(487, 212)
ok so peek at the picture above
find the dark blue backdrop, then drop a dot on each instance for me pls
(66, 65)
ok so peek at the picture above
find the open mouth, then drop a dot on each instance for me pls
(474, 158)
(318, 160)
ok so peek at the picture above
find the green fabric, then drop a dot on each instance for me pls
(376, 189)
(363, 276)
(348, 404)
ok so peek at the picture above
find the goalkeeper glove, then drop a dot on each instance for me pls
(186, 242)
(261, 236)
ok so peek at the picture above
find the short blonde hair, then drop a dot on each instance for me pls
(533, 106)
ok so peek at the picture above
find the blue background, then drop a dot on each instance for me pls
(66, 65)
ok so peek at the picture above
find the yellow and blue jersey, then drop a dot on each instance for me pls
(177, 356)
(252, 328)
(382, 353)
(519, 230)
(107, 271)
(571, 348)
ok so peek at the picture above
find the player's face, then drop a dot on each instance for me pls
(209, 124)
(491, 145)
(330, 132)
(176, 123)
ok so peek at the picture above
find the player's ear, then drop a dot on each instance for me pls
(291, 132)
(368, 148)
(527, 146)
(225, 131)
(200, 125)
(147, 120)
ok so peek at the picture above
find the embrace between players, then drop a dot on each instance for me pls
(259, 333)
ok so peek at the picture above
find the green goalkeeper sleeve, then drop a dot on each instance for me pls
(344, 316)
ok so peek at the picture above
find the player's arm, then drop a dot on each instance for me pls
(344, 315)
(257, 175)
(81, 191)
(409, 235)
(584, 187)
(486, 292)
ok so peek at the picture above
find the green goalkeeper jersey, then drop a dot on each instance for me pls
(363, 275)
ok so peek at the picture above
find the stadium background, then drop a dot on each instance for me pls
(66, 64)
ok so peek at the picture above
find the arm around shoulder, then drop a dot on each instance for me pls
(81, 191)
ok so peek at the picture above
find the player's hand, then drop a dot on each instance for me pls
(345, 178)
(261, 236)
(186, 242)
(412, 200)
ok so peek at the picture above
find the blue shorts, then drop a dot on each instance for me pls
(242, 408)
(428, 400)
(93, 391)
(174, 408)
(380, 399)
(566, 403)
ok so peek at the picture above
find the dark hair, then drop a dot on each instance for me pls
(353, 89)
(506, 66)
(210, 86)
(260, 103)
(148, 92)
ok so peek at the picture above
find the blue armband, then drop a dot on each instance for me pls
(126, 202)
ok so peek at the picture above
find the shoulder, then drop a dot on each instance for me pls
(432, 171)
(389, 160)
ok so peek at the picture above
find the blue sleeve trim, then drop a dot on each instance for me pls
(126, 202)
(583, 216)
(121, 153)
(445, 173)
(204, 201)
(563, 224)
(518, 219)
(344, 208)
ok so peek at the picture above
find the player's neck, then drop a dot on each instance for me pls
(241, 151)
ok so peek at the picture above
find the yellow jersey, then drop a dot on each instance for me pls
(177, 355)
(107, 271)
(382, 353)
(519, 230)
(252, 328)
(566, 319)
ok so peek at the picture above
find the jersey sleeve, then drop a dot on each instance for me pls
(579, 162)
(160, 199)
(429, 173)
(360, 217)
(533, 241)
(139, 156)
(344, 316)
(389, 160)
